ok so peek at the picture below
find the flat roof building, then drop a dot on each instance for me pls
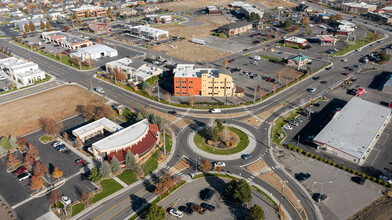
(89, 11)
(327, 39)
(149, 32)
(296, 41)
(353, 131)
(66, 40)
(212, 10)
(356, 7)
(22, 71)
(236, 28)
(247, 10)
(388, 85)
(94, 52)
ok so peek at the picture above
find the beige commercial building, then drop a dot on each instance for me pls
(216, 84)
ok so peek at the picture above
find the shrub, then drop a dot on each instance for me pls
(316, 157)
(354, 171)
(299, 150)
(290, 147)
(359, 173)
(344, 168)
(348, 169)
(329, 162)
(390, 185)
(339, 166)
(374, 179)
(294, 148)
(311, 155)
(384, 183)
(307, 153)
(334, 164)
(368, 177)
(325, 160)
(363, 175)
(379, 181)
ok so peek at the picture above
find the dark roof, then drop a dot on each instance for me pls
(235, 25)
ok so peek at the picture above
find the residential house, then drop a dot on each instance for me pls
(125, 11)
(146, 9)
(236, 28)
(4, 9)
(94, 52)
(36, 15)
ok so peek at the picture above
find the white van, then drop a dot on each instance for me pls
(215, 110)
(99, 89)
(256, 58)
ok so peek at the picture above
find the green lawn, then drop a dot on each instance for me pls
(199, 141)
(128, 176)
(277, 131)
(109, 186)
(168, 143)
(150, 165)
(46, 138)
(357, 44)
(77, 208)
(152, 80)
(271, 58)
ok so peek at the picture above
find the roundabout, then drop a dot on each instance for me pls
(246, 145)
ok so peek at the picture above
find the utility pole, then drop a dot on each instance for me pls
(158, 88)
(298, 141)
(91, 85)
(164, 139)
(281, 196)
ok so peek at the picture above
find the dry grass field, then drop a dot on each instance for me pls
(275, 3)
(21, 116)
(190, 4)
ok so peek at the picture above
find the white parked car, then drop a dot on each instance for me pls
(176, 213)
(24, 176)
(99, 89)
(254, 62)
(57, 143)
(2, 77)
(218, 164)
(288, 127)
(344, 60)
(215, 110)
(66, 200)
(312, 89)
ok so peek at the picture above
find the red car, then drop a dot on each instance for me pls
(229, 61)
(63, 52)
(19, 170)
(79, 161)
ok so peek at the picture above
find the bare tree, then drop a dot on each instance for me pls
(168, 97)
(205, 166)
(85, 198)
(120, 76)
(54, 197)
(50, 126)
(12, 160)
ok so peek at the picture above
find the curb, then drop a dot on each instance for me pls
(386, 36)
(315, 207)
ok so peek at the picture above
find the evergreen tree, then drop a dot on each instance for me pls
(256, 213)
(239, 191)
(105, 169)
(130, 160)
(155, 213)
(115, 165)
(95, 175)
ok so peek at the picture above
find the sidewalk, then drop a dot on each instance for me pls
(77, 152)
(249, 149)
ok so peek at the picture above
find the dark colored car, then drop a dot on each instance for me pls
(186, 210)
(207, 194)
(302, 176)
(246, 156)
(358, 179)
(196, 208)
(323, 82)
(19, 170)
(172, 112)
(319, 197)
(316, 77)
(208, 206)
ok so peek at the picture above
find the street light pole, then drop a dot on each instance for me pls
(281, 195)
(91, 85)
(298, 141)
(322, 184)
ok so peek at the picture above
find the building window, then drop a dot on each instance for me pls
(177, 87)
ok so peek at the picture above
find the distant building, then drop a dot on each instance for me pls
(191, 81)
(141, 139)
(247, 10)
(164, 19)
(295, 41)
(354, 130)
(388, 85)
(94, 52)
(98, 27)
(66, 40)
(90, 11)
(356, 7)
(327, 39)
(385, 18)
(23, 71)
(387, 9)
(149, 32)
(135, 71)
(212, 10)
(236, 28)
(297, 61)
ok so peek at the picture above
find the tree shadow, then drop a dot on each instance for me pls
(138, 203)
(237, 211)
(50, 168)
(216, 183)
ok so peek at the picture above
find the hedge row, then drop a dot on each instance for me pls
(342, 167)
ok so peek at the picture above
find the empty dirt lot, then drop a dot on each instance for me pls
(275, 3)
(21, 116)
(191, 51)
(190, 4)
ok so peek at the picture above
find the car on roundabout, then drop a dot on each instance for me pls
(246, 156)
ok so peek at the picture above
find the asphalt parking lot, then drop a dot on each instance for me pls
(224, 210)
(15, 192)
(335, 183)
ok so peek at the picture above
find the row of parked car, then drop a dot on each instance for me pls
(293, 122)
(59, 146)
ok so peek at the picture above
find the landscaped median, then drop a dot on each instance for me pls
(64, 59)
(221, 140)
(77, 208)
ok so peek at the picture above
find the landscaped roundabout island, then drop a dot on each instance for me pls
(222, 140)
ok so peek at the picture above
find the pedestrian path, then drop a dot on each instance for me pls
(119, 181)
(173, 170)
